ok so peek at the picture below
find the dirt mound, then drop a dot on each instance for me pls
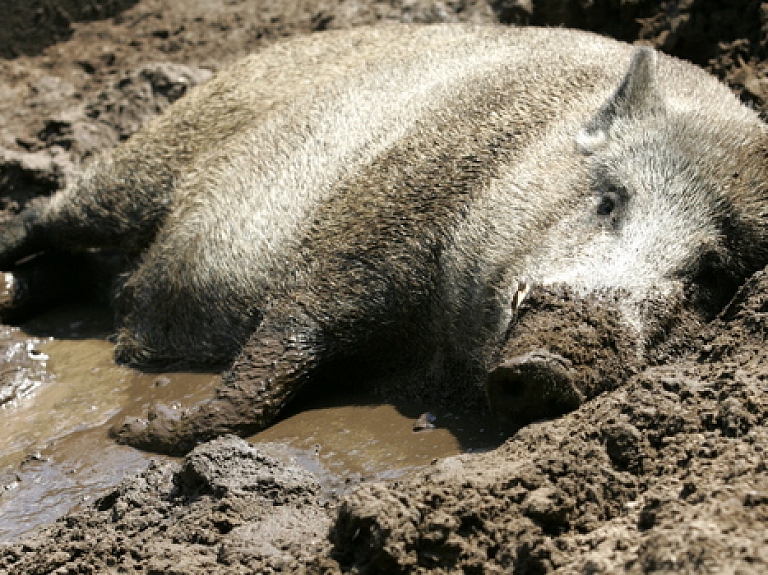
(227, 508)
(667, 473)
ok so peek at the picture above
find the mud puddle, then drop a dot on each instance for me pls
(353, 438)
(55, 452)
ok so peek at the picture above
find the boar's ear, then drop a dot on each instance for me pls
(637, 96)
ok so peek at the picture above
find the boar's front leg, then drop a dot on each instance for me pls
(275, 363)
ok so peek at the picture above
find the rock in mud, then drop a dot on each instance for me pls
(22, 365)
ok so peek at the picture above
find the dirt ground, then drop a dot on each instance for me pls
(668, 473)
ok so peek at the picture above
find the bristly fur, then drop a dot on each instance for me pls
(387, 191)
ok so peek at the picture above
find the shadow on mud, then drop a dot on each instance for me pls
(32, 26)
(357, 435)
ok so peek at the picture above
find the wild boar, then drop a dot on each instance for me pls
(399, 194)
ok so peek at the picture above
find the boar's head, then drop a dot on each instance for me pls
(668, 220)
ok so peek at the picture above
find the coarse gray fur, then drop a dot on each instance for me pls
(398, 188)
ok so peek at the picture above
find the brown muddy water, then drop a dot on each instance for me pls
(55, 453)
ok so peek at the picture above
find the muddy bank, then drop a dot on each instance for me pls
(666, 473)
(227, 508)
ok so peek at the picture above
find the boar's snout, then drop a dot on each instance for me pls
(532, 386)
(562, 349)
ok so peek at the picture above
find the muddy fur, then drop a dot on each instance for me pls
(314, 203)
(596, 351)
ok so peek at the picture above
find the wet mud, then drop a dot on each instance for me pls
(56, 452)
(660, 470)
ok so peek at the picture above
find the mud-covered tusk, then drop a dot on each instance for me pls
(522, 291)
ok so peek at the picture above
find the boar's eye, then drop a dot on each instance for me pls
(609, 202)
(606, 205)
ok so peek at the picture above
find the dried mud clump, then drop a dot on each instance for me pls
(228, 508)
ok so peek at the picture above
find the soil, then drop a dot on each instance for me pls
(666, 472)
